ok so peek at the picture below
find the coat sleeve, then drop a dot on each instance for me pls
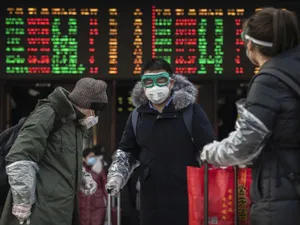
(253, 127)
(202, 129)
(128, 141)
(125, 159)
(262, 100)
(26, 152)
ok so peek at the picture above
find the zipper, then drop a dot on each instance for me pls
(160, 116)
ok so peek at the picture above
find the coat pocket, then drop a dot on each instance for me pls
(146, 159)
(45, 186)
(145, 172)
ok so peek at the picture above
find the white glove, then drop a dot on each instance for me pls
(113, 186)
(88, 185)
(22, 212)
(89, 188)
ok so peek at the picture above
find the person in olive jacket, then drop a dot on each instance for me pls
(44, 165)
(162, 145)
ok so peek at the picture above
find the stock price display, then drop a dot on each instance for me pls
(107, 42)
(52, 41)
(200, 41)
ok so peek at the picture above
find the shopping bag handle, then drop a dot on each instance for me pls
(206, 220)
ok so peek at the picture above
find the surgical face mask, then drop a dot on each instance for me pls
(247, 54)
(249, 57)
(89, 122)
(157, 95)
(98, 166)
(91, 161)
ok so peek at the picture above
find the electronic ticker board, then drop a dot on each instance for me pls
(107, 42)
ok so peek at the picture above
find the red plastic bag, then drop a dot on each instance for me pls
(221, 195)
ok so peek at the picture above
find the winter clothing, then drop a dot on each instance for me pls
(45, 163)
(130, 198)
(87, 92)
(277, 106)
(12, 133)
(250, 135)
(164, 149)
(22, 212)
(88, 185)
(93, 208)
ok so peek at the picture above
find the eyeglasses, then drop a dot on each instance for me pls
(159, 79)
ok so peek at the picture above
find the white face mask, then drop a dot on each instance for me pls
(157, 95)
(89, 122)
(249, 56)
(98, 166)
(251, 59)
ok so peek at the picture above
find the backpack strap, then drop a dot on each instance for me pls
(284, 77)
(287, 79)
(134, 119)
(188, 120)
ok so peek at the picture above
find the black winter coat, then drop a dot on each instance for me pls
(164, 149)
(275, 201)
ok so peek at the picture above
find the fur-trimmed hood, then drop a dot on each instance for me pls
(184, 93)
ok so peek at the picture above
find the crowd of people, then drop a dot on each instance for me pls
(53, 181)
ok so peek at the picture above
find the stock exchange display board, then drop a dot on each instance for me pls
(111, 42)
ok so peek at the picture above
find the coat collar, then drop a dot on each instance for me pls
(61, 104)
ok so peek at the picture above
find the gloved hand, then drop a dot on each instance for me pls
(89, 187)
(22, 212)
(113, 185)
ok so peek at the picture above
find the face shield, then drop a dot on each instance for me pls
(245, 37)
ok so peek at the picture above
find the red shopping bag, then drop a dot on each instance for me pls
(220, 195)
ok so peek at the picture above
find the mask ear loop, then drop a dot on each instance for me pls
(82, 111)
(92, 112)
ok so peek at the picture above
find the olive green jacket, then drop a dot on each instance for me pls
(45, 163)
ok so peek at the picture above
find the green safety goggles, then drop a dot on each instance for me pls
(160, 79)
(243, 36)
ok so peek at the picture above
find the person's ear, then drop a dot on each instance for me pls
(172, 82)
(250, 45)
